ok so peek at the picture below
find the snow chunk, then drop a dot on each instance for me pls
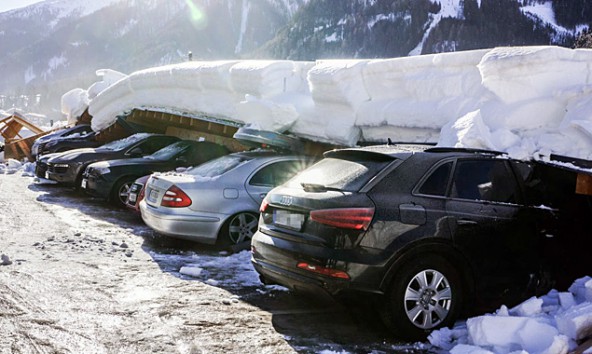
(468, 131)
(512, 333)
(191, 271)
(582, 289)
(576, 322)
(530, 307)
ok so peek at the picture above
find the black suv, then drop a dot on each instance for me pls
(429, 231)
(52, 142)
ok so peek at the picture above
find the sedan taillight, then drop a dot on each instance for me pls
(347, 218)
(174, 197)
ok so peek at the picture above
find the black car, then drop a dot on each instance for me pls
(429, 231)
(87, 140)
(67, 167)
(62, 140)
(112, 179)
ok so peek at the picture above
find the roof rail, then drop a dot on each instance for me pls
(469, 150)
(572, 160)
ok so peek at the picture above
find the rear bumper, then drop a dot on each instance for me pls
(201, 227)
(277, 260)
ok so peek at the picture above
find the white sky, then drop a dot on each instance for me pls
(6, 5)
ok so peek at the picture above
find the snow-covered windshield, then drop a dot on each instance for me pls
(217, 167)
(124, 143)
(168, 152)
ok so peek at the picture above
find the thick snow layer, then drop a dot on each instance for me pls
(249, 92)
(528, 101)
(74, 103)
(551, 324)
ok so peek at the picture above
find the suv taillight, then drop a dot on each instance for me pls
(174, 197)
(347, 218)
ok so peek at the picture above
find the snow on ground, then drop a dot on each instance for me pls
(529, 101)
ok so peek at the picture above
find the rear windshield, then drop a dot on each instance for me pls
(339, 174)
(170, 151)
(217, 167)
(121, 144)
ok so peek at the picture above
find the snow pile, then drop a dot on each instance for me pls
(528, 101)
(552, 324)
(250, 92)
(76, 101)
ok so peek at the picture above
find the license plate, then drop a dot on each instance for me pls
(83, 183)
(46, 175)
(153, 196)
(287, 219)
(132, 197)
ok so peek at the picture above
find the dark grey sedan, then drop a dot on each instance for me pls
(67, 167)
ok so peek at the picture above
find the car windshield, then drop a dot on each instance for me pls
(337, 174)
(121, 144)
(217, 167)
(170, 151)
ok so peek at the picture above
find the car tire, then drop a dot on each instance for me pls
(238, 228)
(426, 293)
(120, 191)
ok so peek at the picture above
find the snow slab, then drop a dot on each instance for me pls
(551, 324)
(527, 101)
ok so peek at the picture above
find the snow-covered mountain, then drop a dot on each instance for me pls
(56, 45)
(380, 28)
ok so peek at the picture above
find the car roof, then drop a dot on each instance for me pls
(403, 151)
(262, 153)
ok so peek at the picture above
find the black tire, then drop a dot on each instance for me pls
(238, 228)
(426, 293)
(120, 191)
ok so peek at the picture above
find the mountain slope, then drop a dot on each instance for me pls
(377, 28)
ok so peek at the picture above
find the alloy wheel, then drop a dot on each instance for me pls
(428, 298)
(242, 227)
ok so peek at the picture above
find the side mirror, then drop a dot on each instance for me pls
(136, 152)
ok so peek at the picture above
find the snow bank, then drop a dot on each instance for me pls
(551, 324)
(528, 101)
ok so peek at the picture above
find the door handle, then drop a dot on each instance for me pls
(262, 195)
(466, 222)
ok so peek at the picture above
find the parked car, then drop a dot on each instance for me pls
(87, 140)
(112, 179)
(136, 193)
(217, 201)
(429, 231)
(67, 167)
(71, 132)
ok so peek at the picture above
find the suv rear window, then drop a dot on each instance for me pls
(339, 174)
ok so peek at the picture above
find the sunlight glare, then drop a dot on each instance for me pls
(198, 16)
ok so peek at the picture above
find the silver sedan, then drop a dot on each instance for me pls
(217, 202)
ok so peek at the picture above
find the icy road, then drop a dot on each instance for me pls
(79, 277)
